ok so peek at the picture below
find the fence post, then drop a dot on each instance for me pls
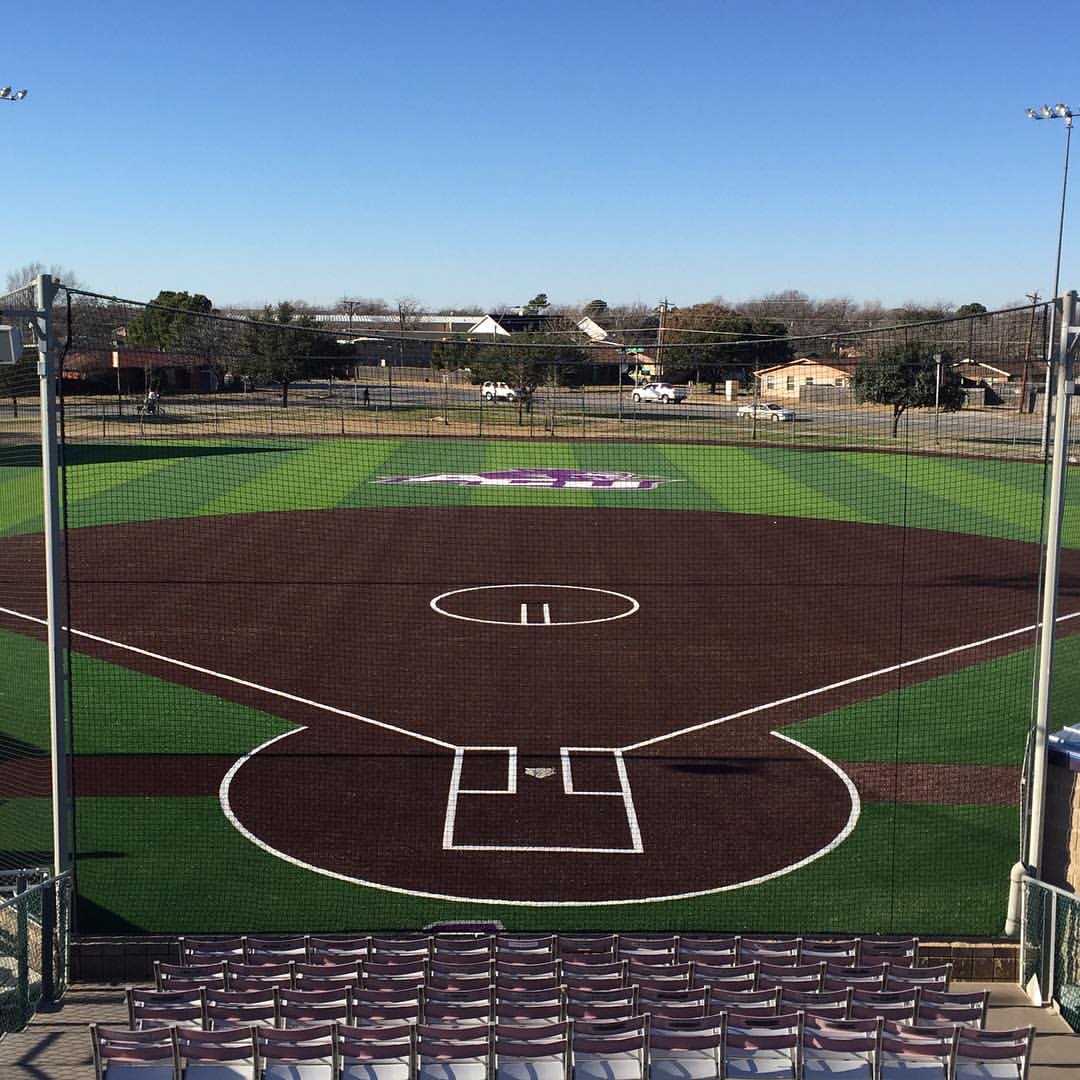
(1051, 974)
(1024, 943)
(22, 952)
(48, 940)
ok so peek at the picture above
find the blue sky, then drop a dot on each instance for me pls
(479, 153)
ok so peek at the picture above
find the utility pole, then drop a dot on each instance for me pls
(1034, 298)
(661, 311)
(350, 308)
(401, 349)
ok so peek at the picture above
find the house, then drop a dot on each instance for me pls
(787, 380)
(503, 324)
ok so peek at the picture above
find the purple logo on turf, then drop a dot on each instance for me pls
(537, 478)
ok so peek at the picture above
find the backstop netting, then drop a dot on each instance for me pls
(371, 629)
(25, 808)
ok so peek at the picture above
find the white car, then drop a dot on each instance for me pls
(497, 391)
(660, 391)
(766, 410)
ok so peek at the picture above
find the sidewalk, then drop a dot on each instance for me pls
(56, 1045)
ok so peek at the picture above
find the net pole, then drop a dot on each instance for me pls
(44, 295)
(1050, 584)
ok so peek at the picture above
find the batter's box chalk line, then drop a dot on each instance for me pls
(451, 843)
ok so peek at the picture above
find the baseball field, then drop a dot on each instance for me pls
(341, 683)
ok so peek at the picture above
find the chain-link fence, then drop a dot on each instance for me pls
(35, 922)
(1050, 947)
(972, 384)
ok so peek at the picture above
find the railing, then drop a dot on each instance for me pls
(1050, 947)
(35, 925)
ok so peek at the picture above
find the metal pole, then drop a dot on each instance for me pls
(937, 397)
(48, 940)
(1050, 951)
(1055, 515)
(22, 951)
(45, 294)
(659, 373)
(1057, 278)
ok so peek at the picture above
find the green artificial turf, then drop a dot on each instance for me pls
(134, 481)
(175, 864)
(976, 716)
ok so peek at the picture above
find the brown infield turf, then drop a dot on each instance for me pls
(735, 614)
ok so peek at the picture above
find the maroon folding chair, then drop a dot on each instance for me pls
(149, 1054)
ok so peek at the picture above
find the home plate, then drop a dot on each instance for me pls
(540, 772)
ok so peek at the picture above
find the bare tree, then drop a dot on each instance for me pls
(24, 275)
(363, 305)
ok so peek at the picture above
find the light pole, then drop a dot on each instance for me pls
(1060, 111)
(7, 94)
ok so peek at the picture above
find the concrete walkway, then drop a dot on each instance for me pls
(56, 1045)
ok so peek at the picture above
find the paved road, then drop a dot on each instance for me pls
(992, 424)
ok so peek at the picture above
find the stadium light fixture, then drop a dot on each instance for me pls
(7, 94)
(1060, 111)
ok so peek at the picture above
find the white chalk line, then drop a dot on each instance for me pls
(247, 684)
(891, 669)
(292, 860)
(450, 843)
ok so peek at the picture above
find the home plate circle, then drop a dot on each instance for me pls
(534, 605)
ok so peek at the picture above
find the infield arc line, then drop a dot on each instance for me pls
(292, 860)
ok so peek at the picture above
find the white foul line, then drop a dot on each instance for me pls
(838, 685)
(240, 682)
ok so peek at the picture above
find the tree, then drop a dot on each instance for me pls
(595, 308)
(715, 342)
(363, 305)
(912, 312)
(906, 377)
(537, 304)
(974, 308)
(166, 320)
(175, 323)
(283, 348)
(24, 275)
(528, 366)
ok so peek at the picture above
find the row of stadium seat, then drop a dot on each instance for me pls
(283, 1006)
(537, 947)
(584, 974)
(731, 1046)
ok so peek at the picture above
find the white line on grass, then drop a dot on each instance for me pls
(836, 685)
(241, 682)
